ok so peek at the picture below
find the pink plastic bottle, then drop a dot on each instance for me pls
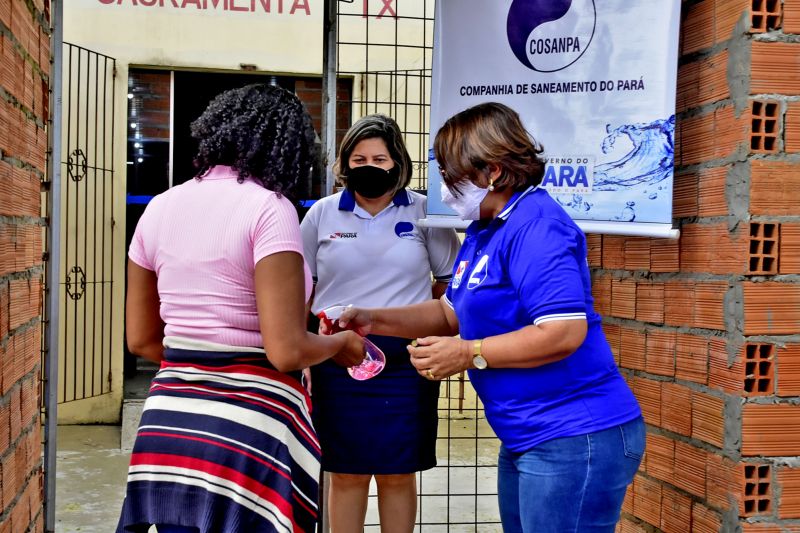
(373, 362)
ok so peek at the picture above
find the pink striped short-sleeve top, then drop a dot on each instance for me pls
(203, 239)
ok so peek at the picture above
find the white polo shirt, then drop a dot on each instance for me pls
(380, 261)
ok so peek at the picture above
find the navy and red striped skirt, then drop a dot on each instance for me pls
(225, 445)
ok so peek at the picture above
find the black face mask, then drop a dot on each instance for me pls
(370, 181)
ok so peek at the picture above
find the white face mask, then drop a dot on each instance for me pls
(468, 203)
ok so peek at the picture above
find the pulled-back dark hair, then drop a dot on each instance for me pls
(263, 132)
(371, 127)
(483, 135)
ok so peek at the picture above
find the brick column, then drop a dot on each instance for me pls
(24, 81)
(309, 90)
(707, 328)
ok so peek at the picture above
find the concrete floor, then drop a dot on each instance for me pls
(457, 496)
(90, 479)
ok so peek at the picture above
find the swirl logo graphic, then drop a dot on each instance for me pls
(550, 35)
(404, 230)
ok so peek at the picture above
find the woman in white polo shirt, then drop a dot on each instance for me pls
(364, 248)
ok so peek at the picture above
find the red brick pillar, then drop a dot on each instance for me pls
(309, 90)
(707, 328)
(24, 81)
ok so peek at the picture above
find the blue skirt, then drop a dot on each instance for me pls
(384, 425)
(225, 445)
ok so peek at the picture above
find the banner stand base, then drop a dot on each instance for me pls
(631, 229)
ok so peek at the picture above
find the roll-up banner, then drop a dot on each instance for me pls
(594, 83)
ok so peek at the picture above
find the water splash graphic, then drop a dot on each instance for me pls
(649, 162)
(633, 177)
(574, 202)
(628, 214)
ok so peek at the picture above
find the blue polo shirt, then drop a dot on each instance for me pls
(528, 266)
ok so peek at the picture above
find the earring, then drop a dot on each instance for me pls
(491, 185)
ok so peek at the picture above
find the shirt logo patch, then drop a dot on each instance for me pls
(404, 230)
(479, 272)
(343, 235)
(462, 266)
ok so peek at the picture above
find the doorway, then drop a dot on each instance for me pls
(160, 150)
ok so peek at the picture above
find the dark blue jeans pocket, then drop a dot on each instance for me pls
(633, 438)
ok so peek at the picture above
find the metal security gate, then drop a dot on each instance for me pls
(386, 47)
(87, 224)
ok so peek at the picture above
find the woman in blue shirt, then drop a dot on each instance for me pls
(520, 298)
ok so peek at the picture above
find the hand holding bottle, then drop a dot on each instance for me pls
(337, 320)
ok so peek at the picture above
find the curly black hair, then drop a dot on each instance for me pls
(263, 132)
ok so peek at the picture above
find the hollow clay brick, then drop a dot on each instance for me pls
(789, 482)
(708, 418)
(788, 370)
(789, 249)
(770, 430)
(774, 68)
(791, 16)
(771, 308)
(773, 187)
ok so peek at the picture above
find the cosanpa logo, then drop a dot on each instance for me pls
(550, 35)
(404, 230)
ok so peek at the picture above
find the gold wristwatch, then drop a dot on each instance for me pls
(477, 357)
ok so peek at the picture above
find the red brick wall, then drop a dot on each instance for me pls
(24, 79)
(707, 328)
(309, 90)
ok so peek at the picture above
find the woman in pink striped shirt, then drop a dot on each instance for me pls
(217, 292)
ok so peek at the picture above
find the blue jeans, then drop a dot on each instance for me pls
(571, 484)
